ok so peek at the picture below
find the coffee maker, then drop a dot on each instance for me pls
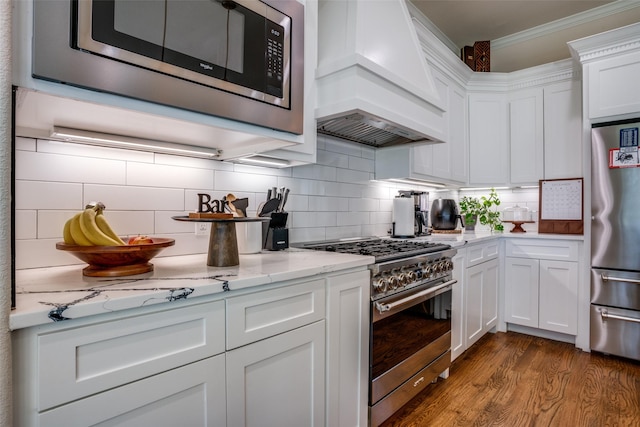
(421, 210)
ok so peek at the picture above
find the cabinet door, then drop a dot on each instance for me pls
(442, 152)
(490, 295)
(563, 130)
(527, 139)
(348, 349)
(521, 291)
(278, 381)
(193, 395)
(459, 150)
(457, 306)
(559, 296)
(473, 304)
(614, 87)
(488, 139)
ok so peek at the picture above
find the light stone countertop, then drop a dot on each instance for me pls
(46, 295)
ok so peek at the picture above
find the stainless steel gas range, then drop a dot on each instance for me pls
(410, 331)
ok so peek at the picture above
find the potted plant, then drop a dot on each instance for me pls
(491, 216)
(483, 210)
(470, 209)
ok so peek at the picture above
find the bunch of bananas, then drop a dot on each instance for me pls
(90, 228)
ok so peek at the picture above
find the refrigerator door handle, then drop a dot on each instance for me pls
(606, 278)
(605, 315)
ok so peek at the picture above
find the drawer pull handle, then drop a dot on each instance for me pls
(606, 278)
(605, 315)
(418, 381)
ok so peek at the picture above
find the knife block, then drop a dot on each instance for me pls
(275, 233)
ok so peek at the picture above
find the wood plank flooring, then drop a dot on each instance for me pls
(510, 379)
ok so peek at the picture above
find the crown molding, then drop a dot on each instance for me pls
(591, 15)
(545, 74)
(610, 43)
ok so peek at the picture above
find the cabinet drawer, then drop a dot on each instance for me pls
(477, 254)
(263, 314)
(79, 361)
(193, 395)
(561, 250)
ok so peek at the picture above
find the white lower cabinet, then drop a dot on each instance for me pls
(458, 343)
(541, 285)
(278, 381)
(292, 354)
(481, 299)
(474, 300)
(193, 395)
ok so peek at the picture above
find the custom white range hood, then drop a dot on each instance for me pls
(374, 85)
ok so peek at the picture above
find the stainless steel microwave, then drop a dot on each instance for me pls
(237, 59)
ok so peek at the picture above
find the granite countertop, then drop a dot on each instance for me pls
(46, 295)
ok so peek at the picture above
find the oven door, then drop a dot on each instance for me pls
(410, 331)
(229, 45)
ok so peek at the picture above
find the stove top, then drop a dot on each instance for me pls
(382, 249)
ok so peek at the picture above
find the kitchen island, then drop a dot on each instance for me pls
(281, 339)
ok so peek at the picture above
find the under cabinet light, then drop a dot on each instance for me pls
(131, 143)
(263, 161)
(483, 188)
(417, 182)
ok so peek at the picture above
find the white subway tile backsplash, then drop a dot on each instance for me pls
(118, 197)
(243, 181)
(332, 199)
(312, 219)
(25, 144)
(329, 158)
(154, 175)
(61, 168)
(361, 164)
(48, 195)
(317, 172)
(380, 218)
(328, 204)
(26, 224)
(352, 218)
(364, 205)
(307, 234)
(51, 223)
(344, 231)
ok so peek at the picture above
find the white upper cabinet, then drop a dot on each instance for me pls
(610, 68)
(545, 132)
(488, 139)
(563, 130)
(526, 132)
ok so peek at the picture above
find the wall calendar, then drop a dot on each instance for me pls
(561, 206)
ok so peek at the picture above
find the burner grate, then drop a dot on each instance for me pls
(382, 250)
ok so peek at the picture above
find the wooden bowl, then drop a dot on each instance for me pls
(115, 261)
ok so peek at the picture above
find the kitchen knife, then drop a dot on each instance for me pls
(284, 200)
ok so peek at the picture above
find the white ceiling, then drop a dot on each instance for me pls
(525, 33)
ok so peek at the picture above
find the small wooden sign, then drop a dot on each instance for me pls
(561, 206)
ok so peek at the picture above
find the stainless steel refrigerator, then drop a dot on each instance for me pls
(615, 239)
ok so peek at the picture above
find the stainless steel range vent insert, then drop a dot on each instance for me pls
(368, 130)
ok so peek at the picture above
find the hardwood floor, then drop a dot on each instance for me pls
(510, 379)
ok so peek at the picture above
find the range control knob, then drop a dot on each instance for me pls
(393, 282)
(449, 264)
(380, 284)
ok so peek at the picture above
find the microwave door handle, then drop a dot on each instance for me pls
(605, 315)
(606, 278)
(387, 307)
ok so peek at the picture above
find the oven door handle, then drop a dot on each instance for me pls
(387, 307)
(606, 278)
(605, 315)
